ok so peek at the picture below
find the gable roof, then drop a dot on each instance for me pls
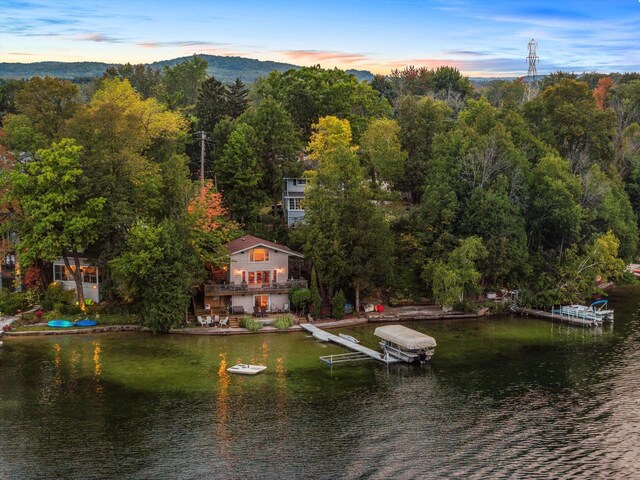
(249, 241)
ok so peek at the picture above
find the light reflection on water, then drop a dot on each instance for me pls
(503, 398)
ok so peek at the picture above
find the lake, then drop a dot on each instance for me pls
(505, 397)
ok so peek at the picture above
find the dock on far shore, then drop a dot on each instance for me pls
(556, 317)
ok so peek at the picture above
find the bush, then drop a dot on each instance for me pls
(337, 307)
(301, 298)
(56, 295)
(250, 324)
(283, 322)
(11, 302)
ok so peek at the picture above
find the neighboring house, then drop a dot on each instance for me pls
(90, 277)
(293, 200)
(257, 276)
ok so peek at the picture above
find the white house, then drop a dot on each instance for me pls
(257, 277)
(293, 200)
(90, 277)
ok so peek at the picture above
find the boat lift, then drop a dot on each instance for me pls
(360, 352)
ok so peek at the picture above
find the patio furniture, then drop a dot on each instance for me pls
(286, 307)
(237, 310)
(225, 321)
(209, 322)
(201, 321)
(216, 320)
(263, 311)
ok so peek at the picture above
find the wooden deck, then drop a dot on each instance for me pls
(555, 317)
(356, 347)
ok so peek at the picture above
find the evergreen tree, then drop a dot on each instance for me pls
(212, 104)
(239, 175)
(316, 299)
(237, 97)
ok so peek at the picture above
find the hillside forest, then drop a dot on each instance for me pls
(421, 187)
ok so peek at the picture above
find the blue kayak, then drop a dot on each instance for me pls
(86, 323)
(60, 323)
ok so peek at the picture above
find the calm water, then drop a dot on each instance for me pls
(503, 398)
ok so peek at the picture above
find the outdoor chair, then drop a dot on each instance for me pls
(256, 311)
(209, 320)
(225, 321)
(201, 321)
(216, 320)
(263, 311)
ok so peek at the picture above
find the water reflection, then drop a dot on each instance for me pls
(97, 367)
(221, 409)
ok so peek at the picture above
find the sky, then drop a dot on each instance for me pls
(481, 38)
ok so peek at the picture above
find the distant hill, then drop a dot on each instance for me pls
(225, 69)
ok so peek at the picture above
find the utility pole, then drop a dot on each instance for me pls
(203, 137)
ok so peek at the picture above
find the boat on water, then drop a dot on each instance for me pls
(348, 338)
(406, 344)
(598, 312)
(246, 369)
(59, 323)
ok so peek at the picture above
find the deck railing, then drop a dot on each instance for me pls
(230, 288)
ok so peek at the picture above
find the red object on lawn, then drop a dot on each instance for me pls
(38, 313)
(379, 308)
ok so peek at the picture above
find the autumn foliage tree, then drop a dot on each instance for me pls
(210, 226)
(601, 91)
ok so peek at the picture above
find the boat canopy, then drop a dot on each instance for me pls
(600, 302)
(405, 337)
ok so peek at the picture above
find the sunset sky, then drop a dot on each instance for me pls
(481, 38)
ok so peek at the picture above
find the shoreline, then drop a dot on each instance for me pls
(416, 314)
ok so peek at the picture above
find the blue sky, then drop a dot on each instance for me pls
(481, 38)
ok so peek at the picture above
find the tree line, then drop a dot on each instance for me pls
(419, 187)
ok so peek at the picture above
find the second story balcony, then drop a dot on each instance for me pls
(219, 289)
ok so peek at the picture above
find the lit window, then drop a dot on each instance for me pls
(90, 275)
(261, 301)
(259, 255)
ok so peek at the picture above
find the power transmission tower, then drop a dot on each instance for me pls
(531, 87)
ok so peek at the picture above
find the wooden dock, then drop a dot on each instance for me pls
(555, 317)
(356, 347)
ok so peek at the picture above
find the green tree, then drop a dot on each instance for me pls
(59, 217)
(456, 279)
(157, 270)
(237, 98)
(420, 121)
(181, 82)
(310, 93)
(143, 78)
(239, 174)
(277, 146)
(381, 149)
(212, 104)
(21, 136)
(337, 306)
(48, 103)
(346, 236)
(316, 299)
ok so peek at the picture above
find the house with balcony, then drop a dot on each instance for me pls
(90, 277)
(293, 200)
(257, 278)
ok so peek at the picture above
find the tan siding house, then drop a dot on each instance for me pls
(257, 278)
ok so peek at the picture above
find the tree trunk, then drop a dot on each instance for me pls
(77, 278)
(357, 287)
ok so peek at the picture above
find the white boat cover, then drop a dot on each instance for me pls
(405, 337)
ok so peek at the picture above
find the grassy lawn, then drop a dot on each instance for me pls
(103, 319)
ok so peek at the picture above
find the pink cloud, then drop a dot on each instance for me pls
(325, 55)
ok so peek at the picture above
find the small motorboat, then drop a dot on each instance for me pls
(86, 323)
(348, 338)
(245, 369)
(60, 323)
